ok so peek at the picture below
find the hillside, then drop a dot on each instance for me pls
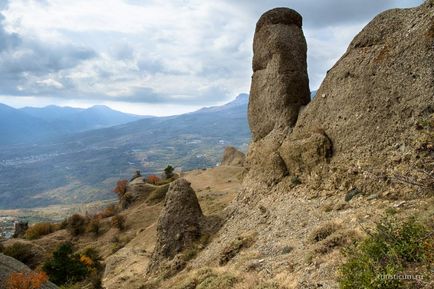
(84, 167)
(334, 192)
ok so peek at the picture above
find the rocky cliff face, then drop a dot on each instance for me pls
(308, 160)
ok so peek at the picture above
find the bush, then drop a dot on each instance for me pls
(323, 231)
(32, 280)
(65, 267)
(153, 179)
(168, 171)
(109, 211)
(94, 226)
(41, 229)
(390, 250)
(76, 224)
(118, 221)
(121, 188)
(22, 252)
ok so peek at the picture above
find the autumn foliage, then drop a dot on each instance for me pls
(121, 188)
(153, 179)
(32, 280)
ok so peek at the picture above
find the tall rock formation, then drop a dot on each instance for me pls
(279, 89)
(179, 224)
(280, 84)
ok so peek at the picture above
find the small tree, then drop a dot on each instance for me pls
(168, 171)
(153, 179)
(64, 266)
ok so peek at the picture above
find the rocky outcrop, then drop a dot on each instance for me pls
(179, 224)
(9, 265)
(233, 157)
(359, 131)
(280, 84)
(366, 108)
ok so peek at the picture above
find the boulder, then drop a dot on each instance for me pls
(233, 157)
(179, 224)
(9, 265)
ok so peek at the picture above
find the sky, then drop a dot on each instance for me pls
(154, 57)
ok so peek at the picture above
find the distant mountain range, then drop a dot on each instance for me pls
(83, 167)
(32, 124)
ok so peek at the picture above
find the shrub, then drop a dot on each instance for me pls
(20, 251)
(121, 188)
(153, 179)
(76, 224)
(94, 226)
(118, 221)
(323, 231)
(157, 195)
(391, 249)
(41, 229)
(168, 171)
(32, 280)
(64, 266)
(108, 212)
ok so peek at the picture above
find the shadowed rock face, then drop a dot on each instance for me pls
(179, 223)
(280, 84)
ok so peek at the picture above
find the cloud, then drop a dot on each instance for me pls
(177, 52)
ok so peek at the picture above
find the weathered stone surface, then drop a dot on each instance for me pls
(9, 265)
(305, 154)
(233, 157)
(179, 224)
(280, 84)
(383, 84)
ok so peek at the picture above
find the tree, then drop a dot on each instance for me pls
(64, 266)
(169, 171)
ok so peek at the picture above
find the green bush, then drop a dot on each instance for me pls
(65, 267)
(389, 251)
(20, 251)
(168, 171)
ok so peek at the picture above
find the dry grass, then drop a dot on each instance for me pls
(323, 231)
